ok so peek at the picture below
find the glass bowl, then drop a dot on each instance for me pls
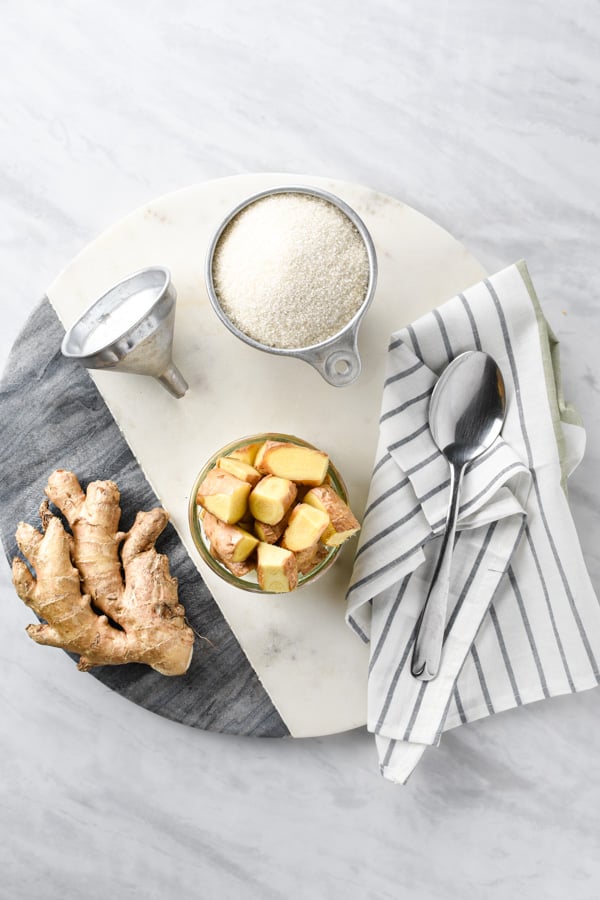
(249, 582)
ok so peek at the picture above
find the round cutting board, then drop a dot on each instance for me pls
(271, 664)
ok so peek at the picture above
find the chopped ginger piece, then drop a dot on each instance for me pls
(304, 465)
(230, 542)
(239, 469)
(247, 453)
(277, 569)
(224, 495)
(343, 523)
(305, 526)
(271, 499)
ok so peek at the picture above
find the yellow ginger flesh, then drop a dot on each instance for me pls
(105, 595)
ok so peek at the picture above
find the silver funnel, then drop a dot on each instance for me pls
(130, 329)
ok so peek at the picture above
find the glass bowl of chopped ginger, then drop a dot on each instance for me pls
(269, 513)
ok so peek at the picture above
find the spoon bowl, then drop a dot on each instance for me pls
(466, 415)
(467, 406)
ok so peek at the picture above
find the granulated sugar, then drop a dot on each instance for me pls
(290, 270)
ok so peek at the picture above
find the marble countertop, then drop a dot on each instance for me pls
(485, 118)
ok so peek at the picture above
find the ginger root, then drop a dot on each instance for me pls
(109, 608)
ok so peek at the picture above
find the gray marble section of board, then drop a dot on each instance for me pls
(220, 691)
(483, 115)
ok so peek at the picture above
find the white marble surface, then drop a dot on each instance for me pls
(309, 662)
(485, 117)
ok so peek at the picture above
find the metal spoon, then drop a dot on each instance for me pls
(466, 414)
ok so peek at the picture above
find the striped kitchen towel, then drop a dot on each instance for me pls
(523, 619)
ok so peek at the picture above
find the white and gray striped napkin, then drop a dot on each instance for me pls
(524, 622)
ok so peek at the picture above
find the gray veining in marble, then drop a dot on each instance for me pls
(486, 117)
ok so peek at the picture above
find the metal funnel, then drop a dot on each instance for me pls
(130, 329)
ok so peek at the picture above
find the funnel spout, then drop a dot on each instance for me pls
(173, 381)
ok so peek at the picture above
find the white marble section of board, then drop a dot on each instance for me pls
(313, 668)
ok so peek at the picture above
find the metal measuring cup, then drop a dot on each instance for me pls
(130, 329)
(336, 358)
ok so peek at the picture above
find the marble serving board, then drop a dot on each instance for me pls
(272, 665)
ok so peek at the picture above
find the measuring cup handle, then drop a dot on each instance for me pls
(339, 364)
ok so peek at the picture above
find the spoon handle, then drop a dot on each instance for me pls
(430, 634)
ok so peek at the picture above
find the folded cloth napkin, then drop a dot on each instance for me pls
(523, 619)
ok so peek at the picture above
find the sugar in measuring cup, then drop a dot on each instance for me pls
(292, 271)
